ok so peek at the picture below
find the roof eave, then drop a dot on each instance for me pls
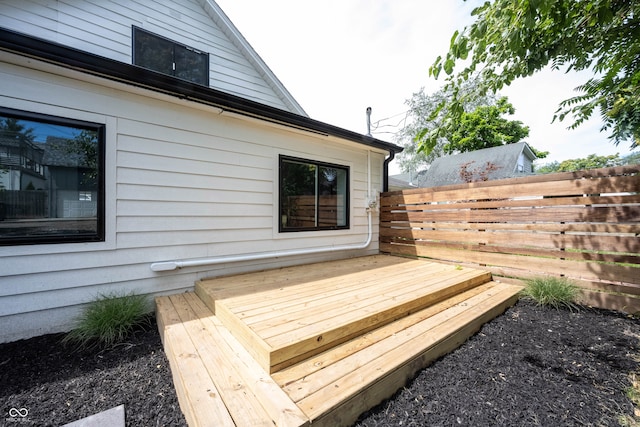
(90, 63)
(528, 149)
(230, 30)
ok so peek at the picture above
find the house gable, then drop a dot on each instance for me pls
(238, 40)
(105, 29)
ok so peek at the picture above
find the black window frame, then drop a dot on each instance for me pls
(318, 164)
(99, 234)
(135, 31)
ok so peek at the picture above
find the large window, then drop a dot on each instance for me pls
(313, 195)
(51, 179)
(165, 56)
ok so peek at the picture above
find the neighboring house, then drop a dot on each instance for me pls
(397, 184)
(72, 185)
(168, 152)
(506, 161)
(20, 163)
(408, 180)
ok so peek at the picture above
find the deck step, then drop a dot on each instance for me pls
(335, 387)
(292, 321)
(219, 382)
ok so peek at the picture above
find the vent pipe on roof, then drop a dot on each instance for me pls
(368, 121)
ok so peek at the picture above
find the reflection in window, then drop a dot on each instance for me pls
(313, 195)
(51, 175)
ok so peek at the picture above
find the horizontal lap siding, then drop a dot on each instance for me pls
(182, 183)
(104, 28)
(583, 225)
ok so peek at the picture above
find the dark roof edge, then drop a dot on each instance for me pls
(93, 64)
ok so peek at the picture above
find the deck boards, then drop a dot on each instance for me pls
(376, 361)
(201, 401)
(289, 277)
(240, 391)
(286, 324)
(401, 315)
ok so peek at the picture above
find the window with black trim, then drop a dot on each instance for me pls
(168, 57)
(313, 195)
(51, 179)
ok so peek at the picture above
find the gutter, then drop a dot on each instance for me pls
(385, 171)
(92, 64)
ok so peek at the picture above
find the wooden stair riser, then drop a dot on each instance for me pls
(316, 363)
(252, 342)
(284, 355)
(402, 291)
(381, 380)
(319, 334)
(394, 335)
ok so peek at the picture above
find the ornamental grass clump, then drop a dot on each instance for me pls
(551, 291)
(110, 319)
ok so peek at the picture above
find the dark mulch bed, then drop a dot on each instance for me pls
(531, 366)
(59, 384)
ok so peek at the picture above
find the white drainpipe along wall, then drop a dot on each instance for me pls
(371, 205)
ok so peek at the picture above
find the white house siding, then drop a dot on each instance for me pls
(104, 27)
(182, 182)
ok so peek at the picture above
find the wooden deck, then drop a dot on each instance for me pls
(318, 343)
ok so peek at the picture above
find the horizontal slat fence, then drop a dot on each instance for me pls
(583, 225)
(302, 211)
(25, 204)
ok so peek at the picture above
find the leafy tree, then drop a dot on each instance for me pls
(592, 161)
(11, 128)
(631, 159)
(548, 167)
(85, 145)
(511, 39)
(485, 127)
(421, 116)
(539, 154)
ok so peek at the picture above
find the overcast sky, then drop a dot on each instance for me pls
(338, 57)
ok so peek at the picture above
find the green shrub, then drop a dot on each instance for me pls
(633, 393)
(110, 319)
(552, 291)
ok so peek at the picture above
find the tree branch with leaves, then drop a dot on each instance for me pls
(511, 39)
(485, 127)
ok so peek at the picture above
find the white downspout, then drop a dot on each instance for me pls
(370, 206)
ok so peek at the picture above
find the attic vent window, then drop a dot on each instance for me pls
(168, 57)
